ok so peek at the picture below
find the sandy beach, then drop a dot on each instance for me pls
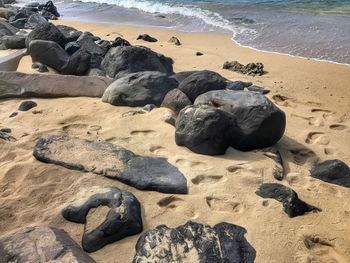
(313, 94)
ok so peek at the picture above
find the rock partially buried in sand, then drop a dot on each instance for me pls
(147, 38)
(41, 244)
(139, 89)
(292, 205)
(260, 123)
(194, 242)
(27, 105)
(121, 219)
(332, 171)
(249, 69)
(130, 59)
(144, 173)
(175, 40)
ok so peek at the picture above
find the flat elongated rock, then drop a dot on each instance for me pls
(292, 205)
(41, 244)
(193, 243)
(122, 219)
(332, 171)
(21, 85)
(144, 173)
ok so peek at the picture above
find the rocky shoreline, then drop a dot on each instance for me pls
(211, 114)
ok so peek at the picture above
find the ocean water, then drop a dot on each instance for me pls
(307, 28)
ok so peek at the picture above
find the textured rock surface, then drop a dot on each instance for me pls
(139, 89)
(249, 69)
(48, 32)
(122, 219)
(193, 243)
(176, 100)
(332, 171)
(41, 244)
(21, 85)
(130, 59)
(144, 173)
(257, 121)
(201, 82)
(292, 205)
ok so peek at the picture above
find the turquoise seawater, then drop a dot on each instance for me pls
(306, 28)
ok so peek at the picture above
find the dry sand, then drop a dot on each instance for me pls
(314, 95)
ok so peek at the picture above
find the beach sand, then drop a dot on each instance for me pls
(314, 95)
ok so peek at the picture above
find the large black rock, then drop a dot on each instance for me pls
(70, 33)
(78, 64)
(122, 219)
(201, 82)
(41, 244)
(139, 89)
(176, 100)
(50, 8)
(204, 129)
(257, 122)
(292, 205)
(49, 53)
(144, 173)
(130, 59)
(35, 20)
(332, 171)
(194, 242)
(6, 29)
(47, 31)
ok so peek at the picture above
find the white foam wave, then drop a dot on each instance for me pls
(208, 17)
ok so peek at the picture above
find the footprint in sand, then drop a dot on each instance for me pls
(169, 201)
(312, 121)
(224, 204)
(118, 140)
(338, 127)
(317, 137)
(192, 164)
(330, 151)
(210, 179)
(235, 168)
(282, 100)
(320, 110)
(75, 128)
(144, 133)
(95, 128)
(301, 156)
(321, 250)
(158, 150)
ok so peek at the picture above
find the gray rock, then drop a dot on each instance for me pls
(204, 129)
(40, 67)
(21, 85)
(49, 53)
(144, 173)
(40, 244)
(139, 89)
(258, 89)
(120, 42)
(27, 105)
(258, 123)
(147, 38)
(130, 59)
(6, 29)
(176, 100)
(7, 12)
(292, 205)
(48, 32)
(201, 82)
(78, 64)
(149, 107)
(14, 42)
(70, 33)
(175, 40)
(87, 43)
(49, 7)
(249, 69)
(35, 20)
(194, 242)
(122, 219)
(72, 47)
(238, 85)
(332, 171)
(19, 23)
(180, 76)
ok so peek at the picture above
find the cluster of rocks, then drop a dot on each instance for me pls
(252, 69)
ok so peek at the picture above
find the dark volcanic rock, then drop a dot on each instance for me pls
(176, 100)
(47, 32)
(198, 54)
(131, 59)
(70, 33)
(144, 173)
(258, 123)
(6, 29)
(180, 76)
(72, 47)
(147, 38)
(249, 69)
(49, 53)
(78, 64)
(40, 67)
(292, 205)
(238, 85)
(35, 20)
(139, 89)
(27, 105)
(201, 82)
(122, 219)
(41, 244)
(49, 7)
(14, 42)
(194, 242)
(97, 52)
(120, 42)
(204, 129)
(332, 171)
